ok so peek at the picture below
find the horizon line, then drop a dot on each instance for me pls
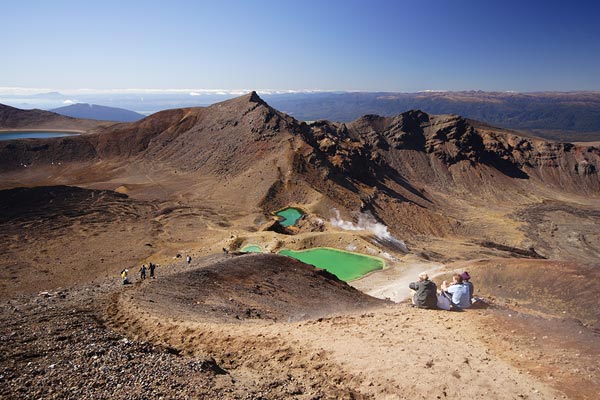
(16, 91)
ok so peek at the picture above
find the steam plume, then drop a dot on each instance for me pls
(366, 222)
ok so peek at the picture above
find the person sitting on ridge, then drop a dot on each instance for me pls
(425, 292)
(459, 291)
(466, 280)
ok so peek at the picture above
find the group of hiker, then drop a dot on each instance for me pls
(457, 295)
(143, 269)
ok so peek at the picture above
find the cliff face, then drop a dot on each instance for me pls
(418, 147)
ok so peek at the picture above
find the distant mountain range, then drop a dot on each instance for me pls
(15, 118)
(564, 116)
(101, 113)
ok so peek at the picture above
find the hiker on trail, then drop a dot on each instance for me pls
(459, 292)
(425, 292)
(188, 259)
(466, 280)
(124, 277)
(152, 268)
(143, 272)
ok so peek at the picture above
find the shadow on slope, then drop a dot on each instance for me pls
(63, 235)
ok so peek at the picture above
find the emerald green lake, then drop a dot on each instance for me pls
(290, 216)
(345, 265)
(252, 248)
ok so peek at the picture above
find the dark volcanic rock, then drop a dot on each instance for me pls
(53, 347)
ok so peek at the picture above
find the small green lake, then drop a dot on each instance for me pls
(289, 216)
(345, 265)
(252, 248)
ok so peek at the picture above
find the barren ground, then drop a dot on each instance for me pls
(212, 329)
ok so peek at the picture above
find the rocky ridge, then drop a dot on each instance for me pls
(229, 137)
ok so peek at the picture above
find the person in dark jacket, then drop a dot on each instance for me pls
(152, 268)
(425, 292)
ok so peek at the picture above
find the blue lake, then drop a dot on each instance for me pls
(33, 135)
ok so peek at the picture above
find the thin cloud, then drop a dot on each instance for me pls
(189, 91)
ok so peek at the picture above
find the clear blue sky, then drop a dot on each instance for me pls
(330, 45)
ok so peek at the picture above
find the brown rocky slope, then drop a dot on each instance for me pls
(241, 129)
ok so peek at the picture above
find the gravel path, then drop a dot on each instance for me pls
(55, 345)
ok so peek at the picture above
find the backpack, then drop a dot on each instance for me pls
(444, 302)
